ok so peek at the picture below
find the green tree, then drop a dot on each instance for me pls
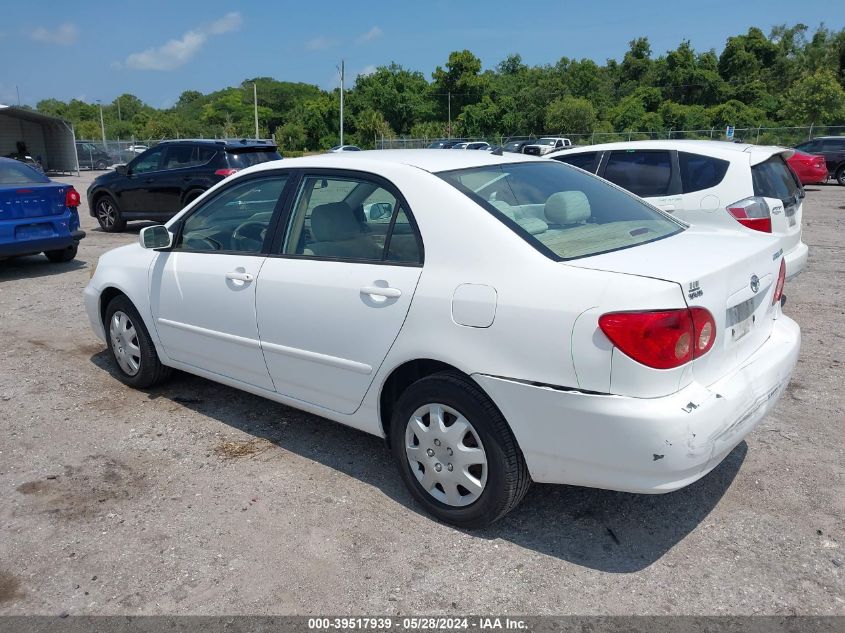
(817, 98)
(570, 115)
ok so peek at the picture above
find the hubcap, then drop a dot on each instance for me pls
(446, 455)
(124, 343)
(106, 213)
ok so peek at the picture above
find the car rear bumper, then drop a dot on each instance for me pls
(24, 236)
(644, 445)
(796, 259)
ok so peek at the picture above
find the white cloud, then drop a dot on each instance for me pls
(373, 34)
(319, 43)
(178, 52)
(367, 70)
(64, 35)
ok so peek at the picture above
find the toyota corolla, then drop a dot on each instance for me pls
(500, 320)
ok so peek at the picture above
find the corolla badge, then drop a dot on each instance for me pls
(755, 283)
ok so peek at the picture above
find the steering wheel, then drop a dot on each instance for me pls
(250, 233)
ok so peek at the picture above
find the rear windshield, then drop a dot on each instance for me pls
(774, 179)
(563, 212)
(242, 158)
(15, 173)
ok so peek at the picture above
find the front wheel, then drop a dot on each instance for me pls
(131, 347)
(455, 451)
(108, 215)
(62, 255)
(840, 175)
(101, 165)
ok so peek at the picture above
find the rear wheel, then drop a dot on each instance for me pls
(455, 451)
(840, 175)
(108, 215)
(63, 254)
(131, 347)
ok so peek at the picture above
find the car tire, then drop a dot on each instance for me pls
(63, 254)
(131, 347)
(101, 165)
(496, 479)
(840, 175)
(108, 214)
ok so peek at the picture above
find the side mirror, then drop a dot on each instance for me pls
(121, 169)
(155, 237)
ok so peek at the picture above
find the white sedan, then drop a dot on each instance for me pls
(501, 320)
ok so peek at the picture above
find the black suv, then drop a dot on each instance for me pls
(157, 184)
(833, 150)
(92, 156)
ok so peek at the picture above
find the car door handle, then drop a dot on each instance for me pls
(237, 276)
(378, 291)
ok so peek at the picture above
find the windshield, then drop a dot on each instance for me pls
(562, 211)
(15, 173)
(544, 141)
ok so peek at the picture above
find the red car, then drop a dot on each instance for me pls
(809, 168)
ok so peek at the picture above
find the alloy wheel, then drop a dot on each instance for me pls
(124, 342)
(106, 213)
(446, 455)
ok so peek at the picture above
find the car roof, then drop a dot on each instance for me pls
(424, 159)
(227, 143)
(725, 149)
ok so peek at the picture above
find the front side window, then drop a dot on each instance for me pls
(150, 161)
(236, 220)
(563, 212)
(351, 219)
(644, 173)
(700, 172)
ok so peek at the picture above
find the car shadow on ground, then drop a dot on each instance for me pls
(33, 266)
(604, 530)
(131, 227)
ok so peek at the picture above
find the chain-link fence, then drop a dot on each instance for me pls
(785, 136)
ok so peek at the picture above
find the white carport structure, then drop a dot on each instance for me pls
(50, 138)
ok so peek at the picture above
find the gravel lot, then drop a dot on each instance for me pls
(195, 498)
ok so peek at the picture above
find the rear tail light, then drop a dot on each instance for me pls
(779, 285)
(752, 212)
(225, 172)
(72, 198)
(662, 339)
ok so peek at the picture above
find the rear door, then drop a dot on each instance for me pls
(650, 174)
(335, 291)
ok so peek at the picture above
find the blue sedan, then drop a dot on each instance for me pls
(36, 214)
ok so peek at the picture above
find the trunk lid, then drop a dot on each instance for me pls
(35, 200)
(731, 274)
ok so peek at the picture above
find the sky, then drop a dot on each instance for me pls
(156, 49)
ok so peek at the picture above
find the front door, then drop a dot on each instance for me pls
(202, 291)
(332, 300)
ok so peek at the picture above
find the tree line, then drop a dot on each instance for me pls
(792, 77)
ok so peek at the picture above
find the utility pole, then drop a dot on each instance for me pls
(341, 102)
(119, 118)
(255, 107)
(19, 96)
(450, 112)
(102, 125)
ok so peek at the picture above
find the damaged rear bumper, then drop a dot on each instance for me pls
(644, 445)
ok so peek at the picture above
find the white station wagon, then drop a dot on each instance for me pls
(499, 320)
(733, 185)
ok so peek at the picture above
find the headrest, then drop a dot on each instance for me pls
(567, 207)
(334, 222)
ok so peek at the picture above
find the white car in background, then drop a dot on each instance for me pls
(730, 185)
(510, 319)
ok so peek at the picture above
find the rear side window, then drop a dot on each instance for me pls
(774, 179)
(15, 173)
(644, 173)
(563, 212)
(700, 172)
(242, 158)
(586, 160)
(833, 145)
